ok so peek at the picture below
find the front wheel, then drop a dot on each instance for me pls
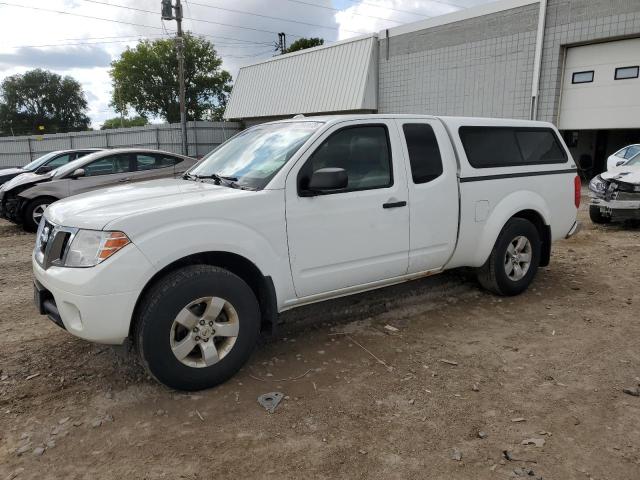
(34, 211)
(514, 259)
(596, 215)
(197, 327)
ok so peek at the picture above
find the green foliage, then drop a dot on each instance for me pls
(303, 43)
(119, 122)
(145, 78)
(40, 101)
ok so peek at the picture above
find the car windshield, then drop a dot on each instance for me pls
(75, 164)
(252, 158)
(39, 161)
(632, 151)
(634, 162)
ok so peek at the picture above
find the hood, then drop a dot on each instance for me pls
(11, 172)
(94, 210)
(23, 179)
(623, 174)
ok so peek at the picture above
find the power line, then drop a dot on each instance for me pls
(273, 18)
(192, 19)
(62, 12)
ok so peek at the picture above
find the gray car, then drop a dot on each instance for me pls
(24, 198)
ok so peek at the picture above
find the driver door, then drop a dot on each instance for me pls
(357, 235)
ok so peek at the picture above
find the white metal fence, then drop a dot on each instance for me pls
(202, 137)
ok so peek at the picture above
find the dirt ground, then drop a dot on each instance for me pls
(549, 365)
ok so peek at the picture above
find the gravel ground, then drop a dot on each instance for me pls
(362, 400)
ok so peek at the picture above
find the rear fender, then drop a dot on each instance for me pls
(508, 207)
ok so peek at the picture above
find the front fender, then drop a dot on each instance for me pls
(176, 240)
(501, 213)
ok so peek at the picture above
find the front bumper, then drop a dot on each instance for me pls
(11, 207)
(95, 303)
(625, 206)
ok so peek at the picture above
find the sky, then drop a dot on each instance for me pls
(62, 35)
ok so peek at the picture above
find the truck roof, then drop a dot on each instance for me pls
(450, 120)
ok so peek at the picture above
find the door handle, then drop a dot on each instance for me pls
(394, 204)
(123, 180)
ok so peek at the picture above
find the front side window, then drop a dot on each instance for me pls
(363, 152)
(582, 77)
(424, 153)
(624, 73)
(254, 156)
(488, 147)
(108, 165)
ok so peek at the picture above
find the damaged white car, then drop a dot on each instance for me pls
(615, 195)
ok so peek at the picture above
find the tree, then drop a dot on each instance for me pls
(146, 79)
(303, 43)
(40, 101)
(120, 122)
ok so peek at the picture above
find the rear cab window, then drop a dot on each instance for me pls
(498, 146)
(424, 152)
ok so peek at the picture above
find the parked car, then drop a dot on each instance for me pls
(622, 156)
(45, 163)
(298, 211)
(615, 194)
(25, 198)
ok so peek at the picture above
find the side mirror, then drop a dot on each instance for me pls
(77, 173)
(328, 180)
(43, 169)
(620, 162)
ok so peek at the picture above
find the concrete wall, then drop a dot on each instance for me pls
(202, 138)
(483, 66)
(480, 66)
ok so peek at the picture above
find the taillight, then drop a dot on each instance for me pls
(577, 185)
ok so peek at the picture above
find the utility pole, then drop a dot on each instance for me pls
(282, 42)
(168, 14)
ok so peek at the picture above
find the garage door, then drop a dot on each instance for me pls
(601, 86)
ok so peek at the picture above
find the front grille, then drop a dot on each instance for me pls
(52, 243)
(628, 196)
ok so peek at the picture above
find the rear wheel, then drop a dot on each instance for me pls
(34, 211)
(197, 327)
(514, 259)
(596, 215)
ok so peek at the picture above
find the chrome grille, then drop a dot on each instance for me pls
(52, 243)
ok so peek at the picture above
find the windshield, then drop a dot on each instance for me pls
(74, 164)
(254, 156)
(635, 161)
(39, 161)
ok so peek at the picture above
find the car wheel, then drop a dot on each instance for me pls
(197, 327)
(514, 259)
(596, 215)
(34, 211)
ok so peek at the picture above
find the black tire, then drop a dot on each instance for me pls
(28, 222)
(159, 308)
(596, 215)
(493, 276)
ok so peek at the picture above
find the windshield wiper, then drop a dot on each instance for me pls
(213, 176)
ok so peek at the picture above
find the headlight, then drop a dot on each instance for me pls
(90, 247)
(598, 185)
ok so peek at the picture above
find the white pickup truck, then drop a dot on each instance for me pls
(298, 211)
